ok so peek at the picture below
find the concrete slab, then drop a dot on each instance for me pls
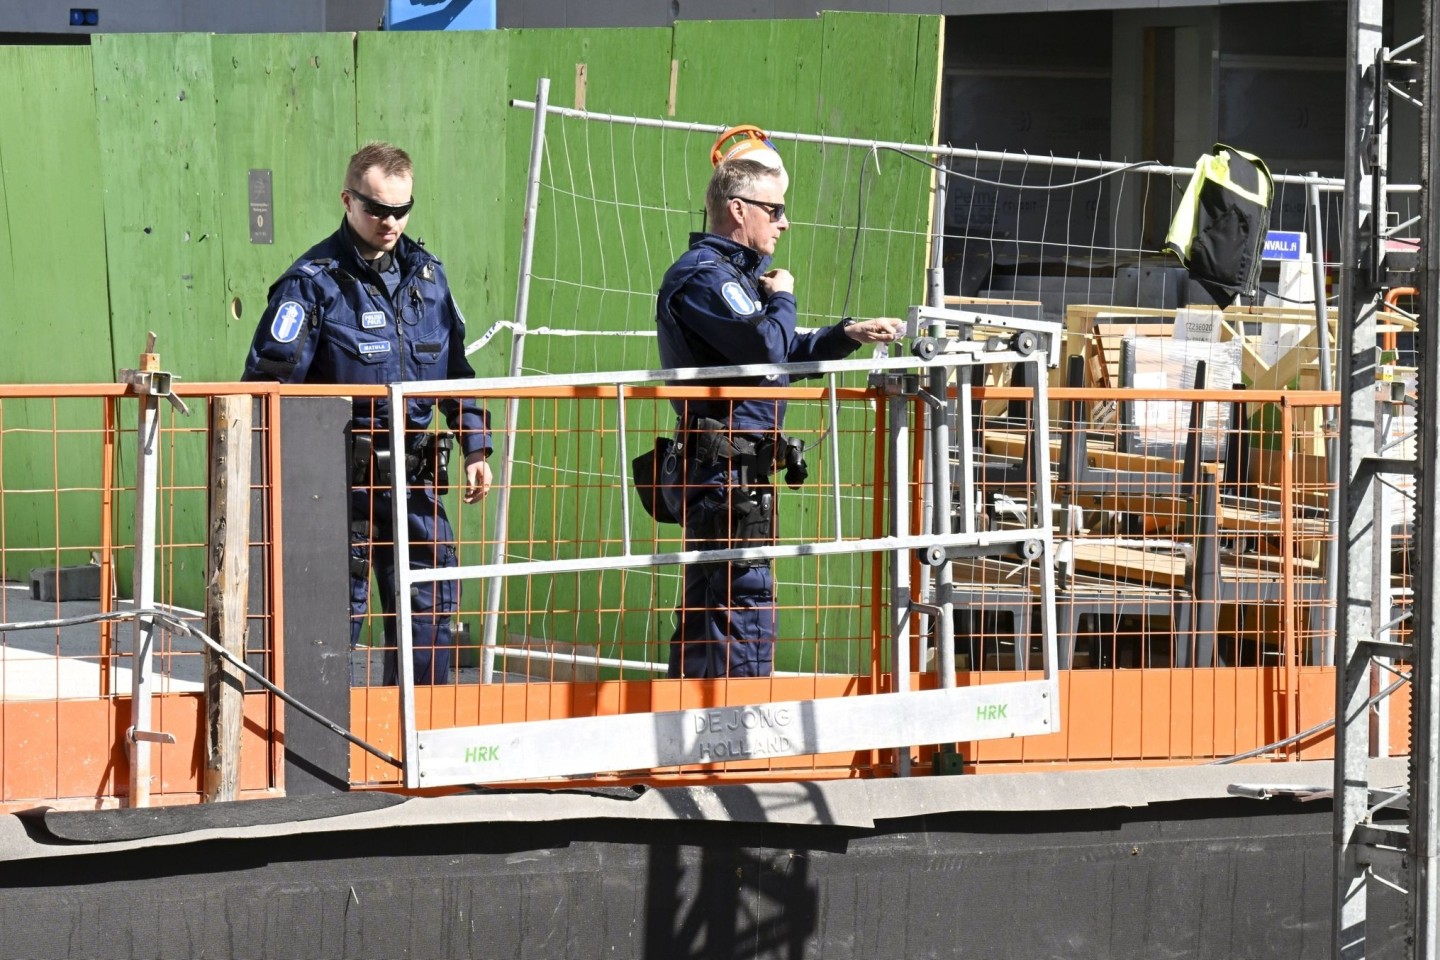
(64, 662)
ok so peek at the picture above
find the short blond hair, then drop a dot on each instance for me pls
(392, 161)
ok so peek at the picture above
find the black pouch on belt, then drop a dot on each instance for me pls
(368, 467)
(440, 449)
(653, 471)
(752, 521)
(428, 463)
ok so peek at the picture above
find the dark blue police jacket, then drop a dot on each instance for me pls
(713, 311)
(329, 320)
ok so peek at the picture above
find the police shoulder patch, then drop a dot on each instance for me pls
(289, 318)
(738, 299)
(372, 319)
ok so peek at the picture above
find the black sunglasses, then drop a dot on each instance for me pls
(776, 210)
(380, 210)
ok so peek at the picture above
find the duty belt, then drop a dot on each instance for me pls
(427, 461)
(710, 441)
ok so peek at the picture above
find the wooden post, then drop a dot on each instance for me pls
(227, 591)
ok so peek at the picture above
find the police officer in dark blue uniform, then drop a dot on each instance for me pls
(721, 304)
(369, 305)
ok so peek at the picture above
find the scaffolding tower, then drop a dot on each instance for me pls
(1372, 262)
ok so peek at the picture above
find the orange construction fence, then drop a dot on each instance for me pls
(1192, 529)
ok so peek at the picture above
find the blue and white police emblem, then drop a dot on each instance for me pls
(738, 299)
(374, 346)
(288, 321)
(372, 319)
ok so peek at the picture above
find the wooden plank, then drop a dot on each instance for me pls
(1094, 712)
(28, 735)
(227, 591)
(1013, 445)
(451, 117)
(1317, 704)
(451, 120)
(1108, 326)
(952, 300)
(286, 104)
(1286, 368)
(89, 749)
(1105, 353)
(1154, 704)
(1129, 564)
(817, 255)
(1127, 724)
(707, 91)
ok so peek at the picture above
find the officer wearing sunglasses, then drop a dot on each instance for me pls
(722, 304)
(368, 305)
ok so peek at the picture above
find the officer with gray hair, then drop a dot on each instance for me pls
(722, 304)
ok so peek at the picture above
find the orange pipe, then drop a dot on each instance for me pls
(1389, 337)
(1289, 641)
(107, 539)
(275, 571)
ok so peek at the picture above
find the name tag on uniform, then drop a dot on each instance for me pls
(375, 346)
(372, 319)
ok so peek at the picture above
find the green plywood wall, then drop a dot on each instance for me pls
(451, 118)
(52, 250)
(284, 104)
(626, 72)
(150, 138)
(796, 75)
(156, 223)
(155, 112)
(53, 301)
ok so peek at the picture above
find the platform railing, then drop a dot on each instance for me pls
(1187, 602)
(69, 550)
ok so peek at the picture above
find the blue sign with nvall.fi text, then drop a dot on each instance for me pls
(1282, 245)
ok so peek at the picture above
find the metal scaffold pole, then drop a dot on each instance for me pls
(1374, 459)
(1424, 729)
(491, 628)
(1360, 594)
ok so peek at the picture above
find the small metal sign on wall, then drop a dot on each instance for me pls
(262, 220)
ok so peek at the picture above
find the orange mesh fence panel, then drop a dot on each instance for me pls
(1192, 600)
(67, 508)
(596, 643)
(1194, 536)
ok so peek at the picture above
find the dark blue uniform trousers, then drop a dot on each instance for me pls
(726, 623)
(433, 605)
